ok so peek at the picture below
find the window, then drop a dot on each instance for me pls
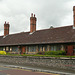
(42, 48)
(59, 47)
(55, 47)
(45, 47)
(4, 49)
(10, 48)
(7, 49)
(52, 48)
(32, 49)
(15, 49)
(1, 48)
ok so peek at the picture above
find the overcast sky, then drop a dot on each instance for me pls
(48, 12)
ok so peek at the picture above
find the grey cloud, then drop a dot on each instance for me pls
(0, 0)
(48, 12)
(54, 12)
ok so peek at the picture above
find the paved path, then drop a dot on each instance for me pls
(16, 71)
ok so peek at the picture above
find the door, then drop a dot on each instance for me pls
(70, 50)
(23, 50)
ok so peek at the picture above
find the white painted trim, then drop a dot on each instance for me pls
(73, 27)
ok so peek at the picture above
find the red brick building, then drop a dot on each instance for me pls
(61, 38)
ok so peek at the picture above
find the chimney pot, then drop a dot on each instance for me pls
(32, 15)
(73, 8)
(5, 22)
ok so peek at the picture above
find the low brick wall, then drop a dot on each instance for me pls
(63, 63)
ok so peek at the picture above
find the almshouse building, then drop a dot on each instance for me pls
(52, 39)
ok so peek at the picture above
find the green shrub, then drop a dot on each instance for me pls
(55, 53)
(2, 52)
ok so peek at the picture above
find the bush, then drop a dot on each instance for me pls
(55, 53)
(52, 53)
(2, 52)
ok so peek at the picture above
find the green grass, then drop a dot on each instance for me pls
(50, 55)
(40, 55)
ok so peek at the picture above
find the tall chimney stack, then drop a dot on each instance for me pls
(6, 28)
(74, 15)
(32, 23)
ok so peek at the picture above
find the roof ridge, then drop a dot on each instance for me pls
(18, 33)
(39, 30)
(55, 28)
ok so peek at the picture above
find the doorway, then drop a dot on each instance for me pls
(23, 50)
(70, 50)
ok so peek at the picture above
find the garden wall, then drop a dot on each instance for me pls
(63, 63)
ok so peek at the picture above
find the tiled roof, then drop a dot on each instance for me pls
(56, 35)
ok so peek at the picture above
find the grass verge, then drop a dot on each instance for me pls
(39, 55)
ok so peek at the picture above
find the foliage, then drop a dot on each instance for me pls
(52, 53)
(2, 53)
(12, 54)
(39, 55)
(55, 53)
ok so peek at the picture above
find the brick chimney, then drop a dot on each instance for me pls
(32, 23)
(6, 28)
(74, 15)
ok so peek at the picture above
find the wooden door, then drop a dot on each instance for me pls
(70, 50)
(23, 50)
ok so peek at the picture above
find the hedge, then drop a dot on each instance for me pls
(52, 53)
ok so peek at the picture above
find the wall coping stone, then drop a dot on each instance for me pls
(38, 57)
